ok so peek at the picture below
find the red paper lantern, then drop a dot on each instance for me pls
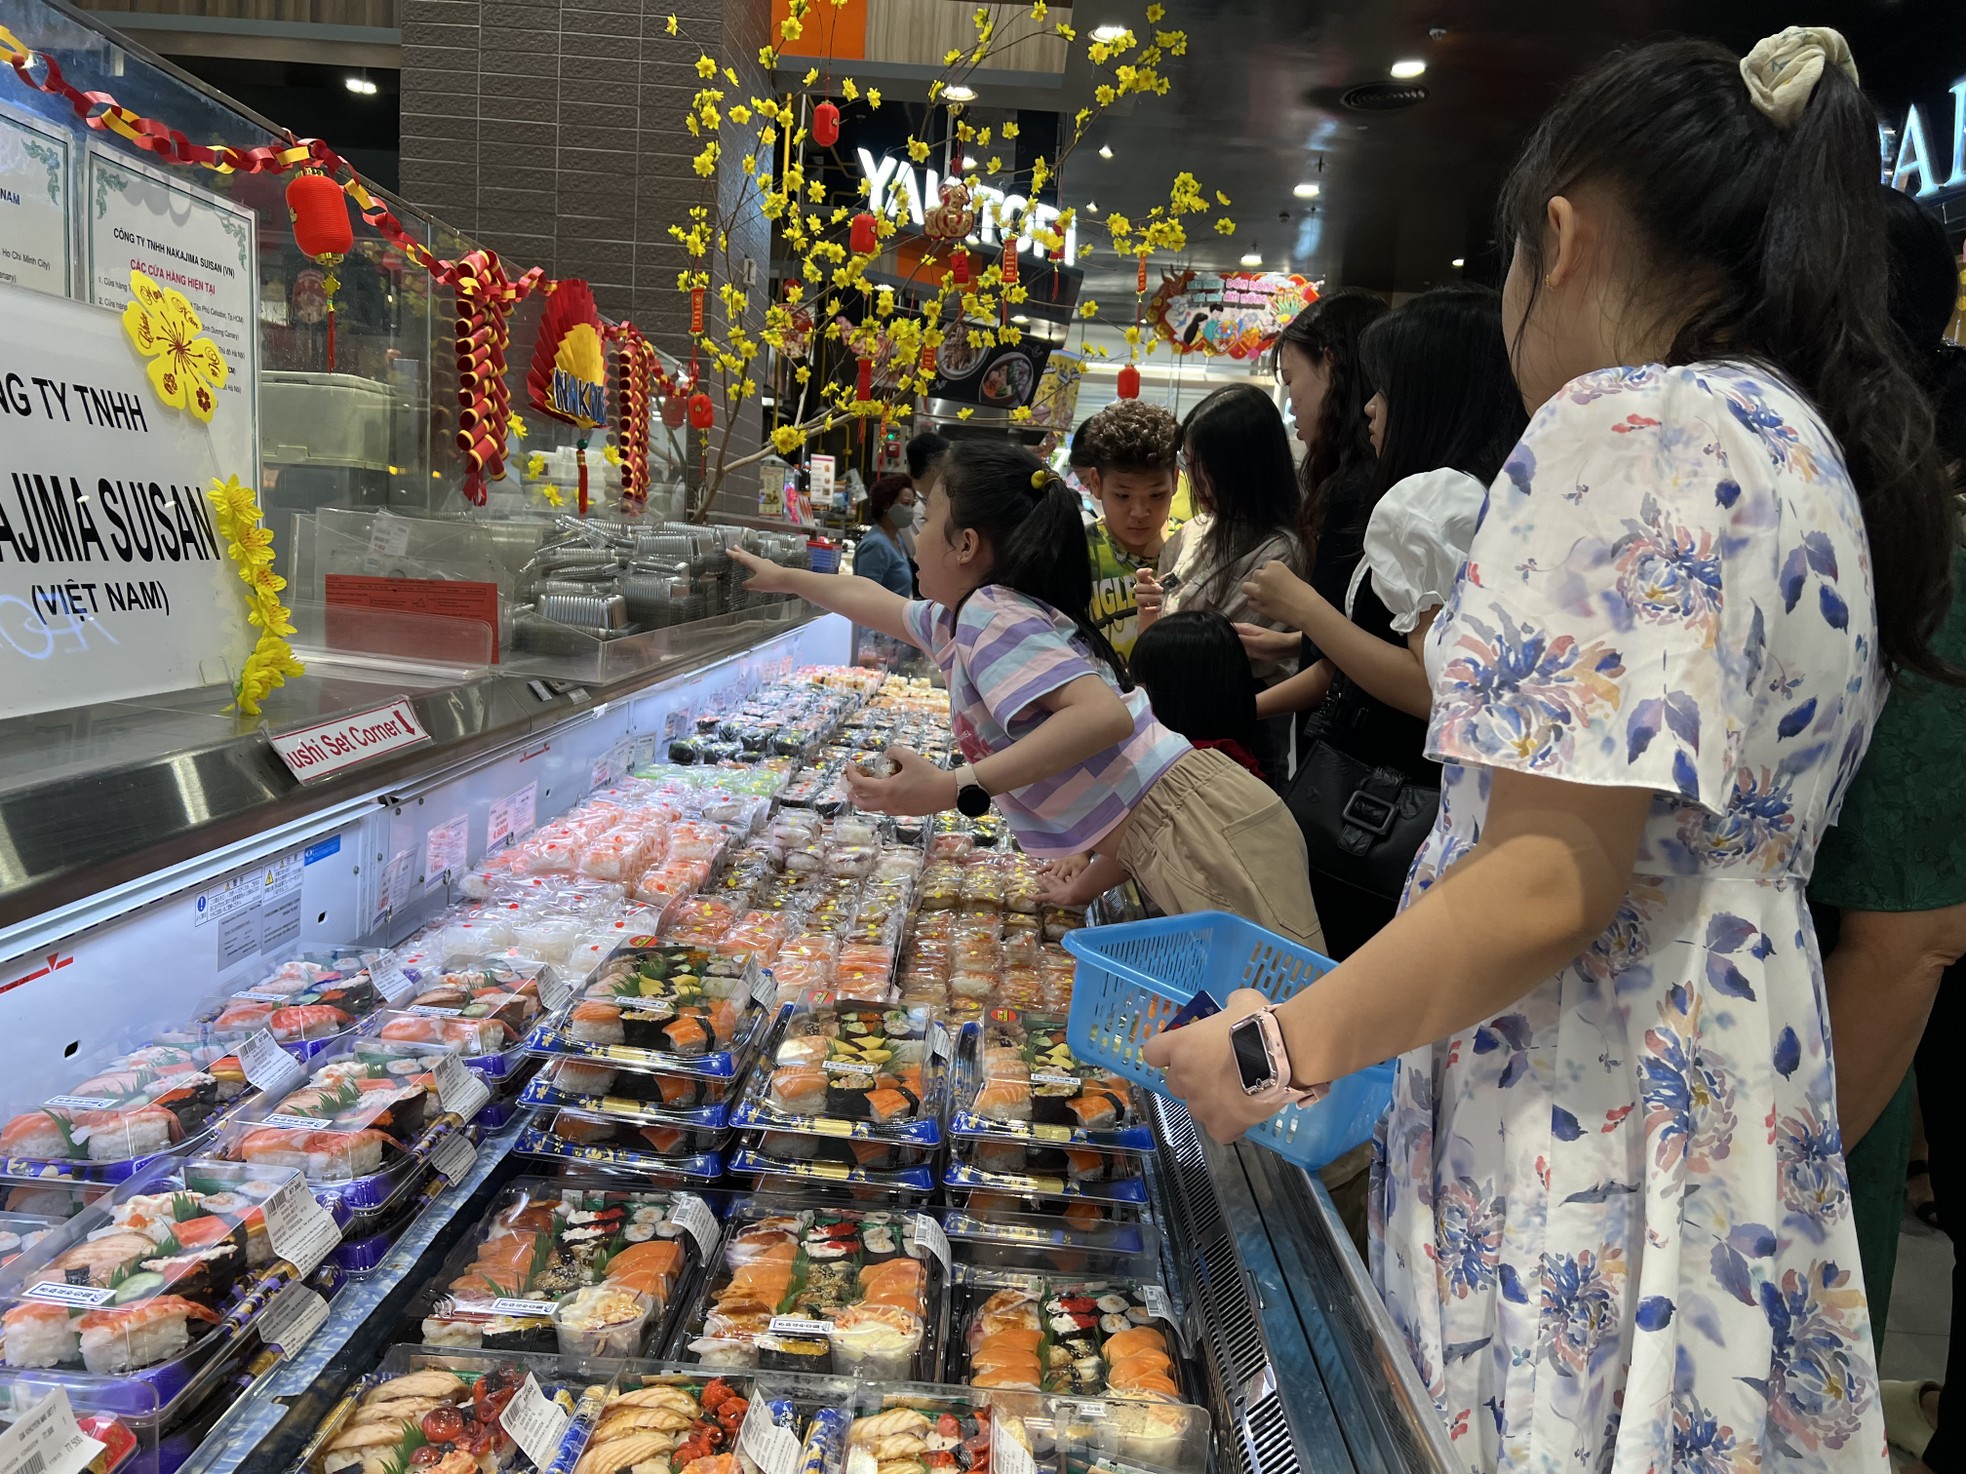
(959, 265)
(702, 414)
(319, 210)
(864, 380)
(825, 125)
(1010, 264)
(1129, 382)
(865, 236)
(675, 409)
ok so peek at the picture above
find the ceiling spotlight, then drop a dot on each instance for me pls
(1458, 262)
(1253, 258)
(1407, 70)
(1105, 150)
(1108, 32)
(959, 93)
(1305, 191)
(361, 86)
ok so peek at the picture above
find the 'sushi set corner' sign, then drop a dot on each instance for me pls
(114, 581)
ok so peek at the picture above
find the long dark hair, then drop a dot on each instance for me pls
(1773, 237)
(1237, 440)
(1198, 677)
(1451, 398)
(1030, 520)
(1924, 293)
(1340, 448)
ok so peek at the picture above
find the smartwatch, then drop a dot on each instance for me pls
(971, 798)
(1263, 1063)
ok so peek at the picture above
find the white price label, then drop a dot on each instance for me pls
(304, 1123)
(602, 775)
(300, 1230)
(522, 1308)
(47, 1440)
(389, 537)
(390, 980)
(773, 1449)
(536, 1422)
(1007, 1454)
(926, 1236)
(794, 1325)
(691, 1214)
(263, 995)
(764, 992)
(453, 1158)
(291, 1321)
(56, 1292)
(939, 1042)
(427, 1011)
(394, 890)
(445, 847)
(83, 1102)
(460, 1088)
(511, 816)
(267, 1065)
(851, 1067)
(1052, 1077)
(555, 992)
(1158, 1304)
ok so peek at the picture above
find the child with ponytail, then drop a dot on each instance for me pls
(1050, 726)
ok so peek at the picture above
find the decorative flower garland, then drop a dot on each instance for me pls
(250, 542)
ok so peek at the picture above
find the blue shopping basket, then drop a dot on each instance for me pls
(1133, 978)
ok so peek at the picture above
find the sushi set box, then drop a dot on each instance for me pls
(1100, 1177)
(483, 1009)
(517, 1282)
(662, 1151)
(365, 1125)
(666, 1007)
(43, 1415)
(653, 1419)
(1017, 1079)
(638, 1097)
(822, 1291)
(459, 1412)
(853, 1072)
(306, 1002)
(161, 1099)
(960, 1430)
(153, 1294)
(1033, 1333)
(896, 1186)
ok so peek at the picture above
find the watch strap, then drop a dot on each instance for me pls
(1284, 1093)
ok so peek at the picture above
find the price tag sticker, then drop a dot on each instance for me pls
(1043, 1132)
(764, 992)
(47, 1440)
(773, 1449)
(304, 1123)
(851, 1067)
(292, 1320)
(83, 1102)
(1052, 1077)
(927, 1236)
(793, 1325)
(267, 1065)
(1158, 1304)
(523, 1308)
(390, 980)
(300, 1230)
(939, 1040)
(58, 1292)
(427, 1010)
(1008, 1455)
(555, 992)
(389, 537)
(691, 1214)
(453, 1157)
(263, 997)
(536, 1422)
(460, 1088)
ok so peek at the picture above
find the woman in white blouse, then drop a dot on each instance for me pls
(1443, 416)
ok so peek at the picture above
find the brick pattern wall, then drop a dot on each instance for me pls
(553, 134)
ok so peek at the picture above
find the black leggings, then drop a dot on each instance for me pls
(1350, 917)
(1940, 1099)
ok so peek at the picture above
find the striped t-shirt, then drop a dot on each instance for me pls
(1002, 652)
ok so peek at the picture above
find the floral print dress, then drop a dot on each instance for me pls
(1613, 1222)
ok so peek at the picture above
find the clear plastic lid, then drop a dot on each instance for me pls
(313, 995)
(44, 1411)
(1114, 1177)
(638, 1097)
(1025, 1332)
(987, 1432)
(1018, 1078)
(832, 1290)
(543, 1240)
(667, 1007)
(852, 1071)
(1107, 1436)
(160, 1099)
(895, 1184)
(678, 1151)
(766, 1423)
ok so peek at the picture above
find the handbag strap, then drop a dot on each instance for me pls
(1372, 810)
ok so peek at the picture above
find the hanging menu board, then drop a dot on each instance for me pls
(114, 581)
(35, 213)
(197, 243)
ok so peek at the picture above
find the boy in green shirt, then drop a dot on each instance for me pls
(1127, 457)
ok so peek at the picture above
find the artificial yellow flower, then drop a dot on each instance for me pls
(706, 67)
(516, 425)
(551, 495)
(1154, 14)
(670, 25)
(1088, 308)
(186, 370)
(1225, 226)
(874, 98)
(963, 414)
(611, 454)
(918, 150)
(787, 438)
(850, 89)
(536, 465)
(233, 502)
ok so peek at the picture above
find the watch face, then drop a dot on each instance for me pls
(1253, 1062)
(973, 801)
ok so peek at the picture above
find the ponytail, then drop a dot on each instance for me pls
(1773, 231)
(1030, 519)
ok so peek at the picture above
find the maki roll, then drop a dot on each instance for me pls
(849, 1096)
(518, 1333)
(646, 1027)
(782, 1353)
(879, 1242)
(1053, 1102)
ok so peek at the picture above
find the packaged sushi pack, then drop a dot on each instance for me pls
(128, 1436)
(443, 1411)
(1110, 1436)
(1097, 1181)
(304, 1002)
(1081, 1215)
(663, 1151)
(157, 1100)
(20, 1232)
(662, 1422)
(820, 1291)
(904, 1430)
(775, 1162)
(1018, 1079)
(515, 1284)
(1031, 1333)
(670, 1008)
(636, 1096)
(157, 1284)
(852, 1071)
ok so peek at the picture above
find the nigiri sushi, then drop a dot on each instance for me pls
(307, 1021)
(39, 1335)
(116, 1340)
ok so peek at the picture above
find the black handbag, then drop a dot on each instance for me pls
(1362, 825)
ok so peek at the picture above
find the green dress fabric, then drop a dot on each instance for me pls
(1877, 1197)
(1900, 844)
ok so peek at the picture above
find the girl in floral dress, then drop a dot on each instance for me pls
(1613, 1222)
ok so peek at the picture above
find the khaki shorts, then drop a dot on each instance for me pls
(1211, 836)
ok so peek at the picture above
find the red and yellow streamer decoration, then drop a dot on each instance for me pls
(634, 368)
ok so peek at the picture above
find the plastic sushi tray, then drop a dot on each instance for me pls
(367, 1240)
(766, 1423)
(306, 1003)
(822, 1291)
(1059, 1243)
(601, 1143)
(1025, 1332)
(545, 1240)
(853, 1071)
(1017, 1079)
(487, 1024)
(683, 1010)
(129, 1444)
(475, 1407)
(980, 1432)
(163, 1099)
(901, 1184)
(1099, 1185)
(638, 1097)
(149, 1294)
